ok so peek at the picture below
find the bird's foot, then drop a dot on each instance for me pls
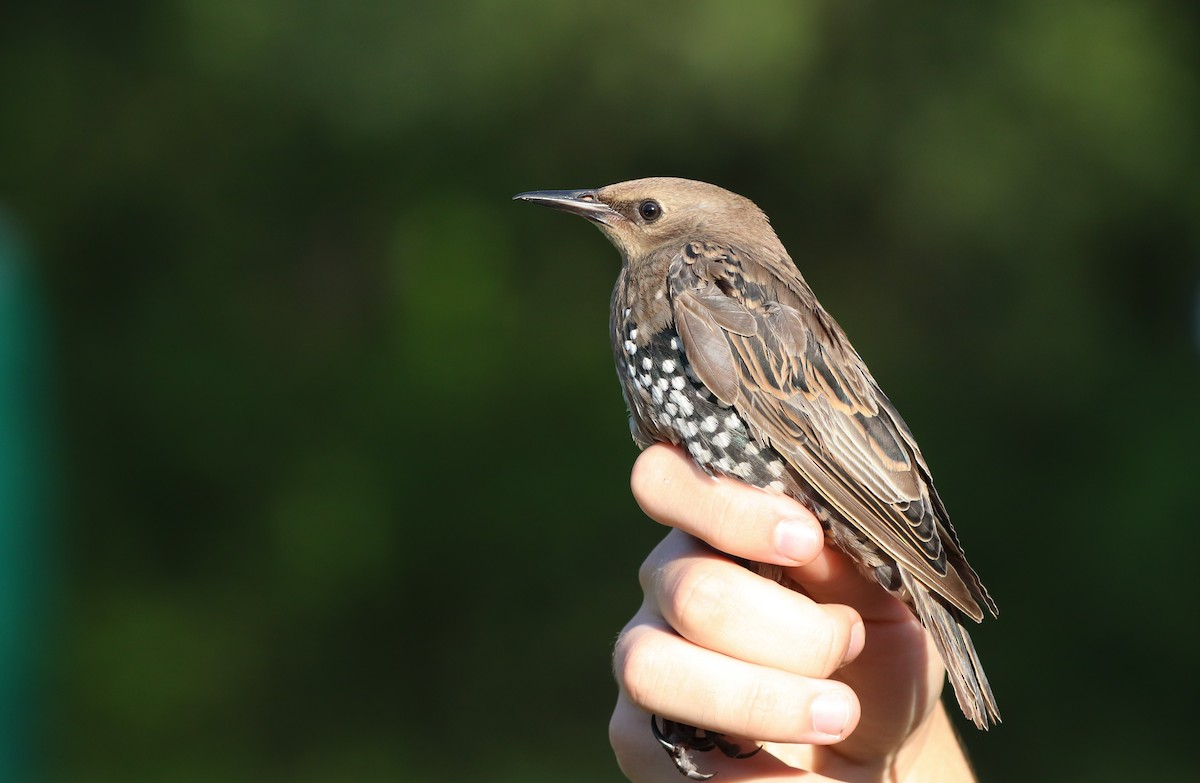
(680, 739)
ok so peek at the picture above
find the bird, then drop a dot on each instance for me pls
(722, 349)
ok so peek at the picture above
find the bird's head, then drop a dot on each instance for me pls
(643, 216)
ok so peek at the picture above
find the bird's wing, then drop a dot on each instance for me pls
(756, 336)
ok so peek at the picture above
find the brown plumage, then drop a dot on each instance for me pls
(723, 348)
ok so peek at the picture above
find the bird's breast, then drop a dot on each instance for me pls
(669, 403)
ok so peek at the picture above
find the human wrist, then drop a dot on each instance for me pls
(934, 754)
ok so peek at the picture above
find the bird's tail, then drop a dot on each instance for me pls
(958, 654)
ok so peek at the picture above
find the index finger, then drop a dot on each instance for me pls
(731, 516)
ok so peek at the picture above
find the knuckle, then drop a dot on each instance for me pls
(832, 639)
(723, 516)
(765, 707)
(661, 559)
(829, 648)
(733, 517)
(696, 597)
(648, 574)
(637, 664)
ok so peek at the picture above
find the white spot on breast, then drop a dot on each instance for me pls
(721, 440)
(671, 408)
(630, 348)
(663, 384)
(656, 394)
(674, 344)
(668, 366)
(633, 334)
(678, 382)
(709, 424)
(742, 469)
(775, 468)
(632, 371)
(775, 486)
(646, 363)
(645, 380)
(751, 448)
(725, 464)
(732, 421)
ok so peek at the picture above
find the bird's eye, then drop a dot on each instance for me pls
(650, 210)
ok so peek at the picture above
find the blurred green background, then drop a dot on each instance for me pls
(337, 458)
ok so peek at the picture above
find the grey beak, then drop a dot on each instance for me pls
(584, 203)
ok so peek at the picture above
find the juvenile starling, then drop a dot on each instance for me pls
(723, 349)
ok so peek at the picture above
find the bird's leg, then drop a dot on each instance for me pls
(680, 739)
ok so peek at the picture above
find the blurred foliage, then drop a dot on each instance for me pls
(344, 458)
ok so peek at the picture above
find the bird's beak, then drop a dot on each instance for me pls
(584, 203)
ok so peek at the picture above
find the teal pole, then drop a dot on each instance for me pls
(24, 477)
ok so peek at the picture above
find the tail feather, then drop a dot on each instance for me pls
(958, 654)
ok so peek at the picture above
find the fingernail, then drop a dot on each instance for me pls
(831, 714)
(797, 540)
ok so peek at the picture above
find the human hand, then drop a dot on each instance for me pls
(837, 681)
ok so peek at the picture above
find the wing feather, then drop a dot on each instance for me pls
(759, 340)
